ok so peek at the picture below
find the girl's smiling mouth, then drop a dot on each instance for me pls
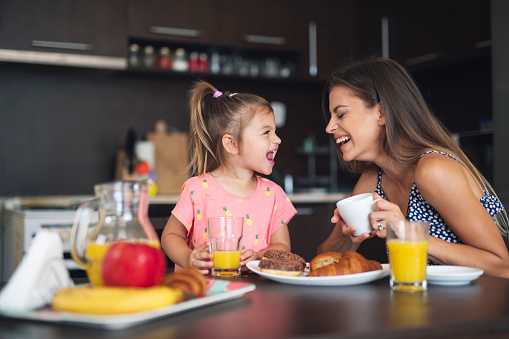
(270, 156)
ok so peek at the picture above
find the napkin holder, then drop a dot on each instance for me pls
(41, 273)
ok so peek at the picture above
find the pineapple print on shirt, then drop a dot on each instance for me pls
(263, 212)
(227, 212)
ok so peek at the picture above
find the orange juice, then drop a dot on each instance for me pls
(95, 253)
(226, 263)
(408, 260)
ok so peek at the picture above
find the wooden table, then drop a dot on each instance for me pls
(276, 310)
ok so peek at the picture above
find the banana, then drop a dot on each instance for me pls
(114, 300)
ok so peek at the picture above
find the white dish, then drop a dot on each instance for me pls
(218, 291)
(452, 275)
(338, 280)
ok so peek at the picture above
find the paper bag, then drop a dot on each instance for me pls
(171, 160)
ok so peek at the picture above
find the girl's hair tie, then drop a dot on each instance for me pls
(217, 94)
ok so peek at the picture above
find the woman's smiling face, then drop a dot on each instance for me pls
(356, 128)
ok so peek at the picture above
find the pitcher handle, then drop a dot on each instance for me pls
(79, 231)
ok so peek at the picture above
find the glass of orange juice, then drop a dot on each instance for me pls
(225, 234)
(408, 254)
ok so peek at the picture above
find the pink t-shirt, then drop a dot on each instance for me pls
(264, 211)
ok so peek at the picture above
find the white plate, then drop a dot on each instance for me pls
(337, 280)
(452, 275)
(218, 291)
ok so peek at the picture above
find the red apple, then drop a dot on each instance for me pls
(130, 264)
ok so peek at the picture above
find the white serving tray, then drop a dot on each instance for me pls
(218, 291)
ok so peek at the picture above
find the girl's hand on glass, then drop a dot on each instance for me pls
(201, 258)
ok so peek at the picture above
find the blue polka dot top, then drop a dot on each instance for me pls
(419, 209)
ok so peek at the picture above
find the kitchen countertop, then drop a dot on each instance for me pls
(72, 201)
(308, 198)
(276, 310)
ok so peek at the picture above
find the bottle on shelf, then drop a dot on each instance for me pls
(164, 60)
(149, 58)
(180, 62)
(193, 62)
(203, 63)
(134, 55)
(215, 62)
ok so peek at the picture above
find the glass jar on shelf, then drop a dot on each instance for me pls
(203, 63)
(134, 55)
(149, 58)
(164, 60)
(180, 62)
(215, 62)
(193, 62)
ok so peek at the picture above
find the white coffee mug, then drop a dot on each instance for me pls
(355, 211)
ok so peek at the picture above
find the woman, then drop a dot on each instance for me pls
(385, 131)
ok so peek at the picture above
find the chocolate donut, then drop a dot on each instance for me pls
(284, 256)
(281, 267)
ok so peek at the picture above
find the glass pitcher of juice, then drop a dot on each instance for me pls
(122, 208)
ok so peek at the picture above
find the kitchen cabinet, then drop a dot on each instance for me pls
(303, 40)
(423, 35)
(369, 17)
(264, 23)
(195, 21)
(426, 43)
(473, 28)
(459, 31)
(309, 228)
(334, 36)
(296, 33)
(65, 31)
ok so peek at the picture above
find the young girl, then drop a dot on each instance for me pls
(232, 137)
(384, 130)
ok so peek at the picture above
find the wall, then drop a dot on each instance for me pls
(61, 127)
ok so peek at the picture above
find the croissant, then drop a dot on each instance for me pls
(324, 259)
(334, 263)
(188, 280)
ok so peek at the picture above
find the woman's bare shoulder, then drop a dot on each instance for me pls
(438, 169)
(440, 178)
